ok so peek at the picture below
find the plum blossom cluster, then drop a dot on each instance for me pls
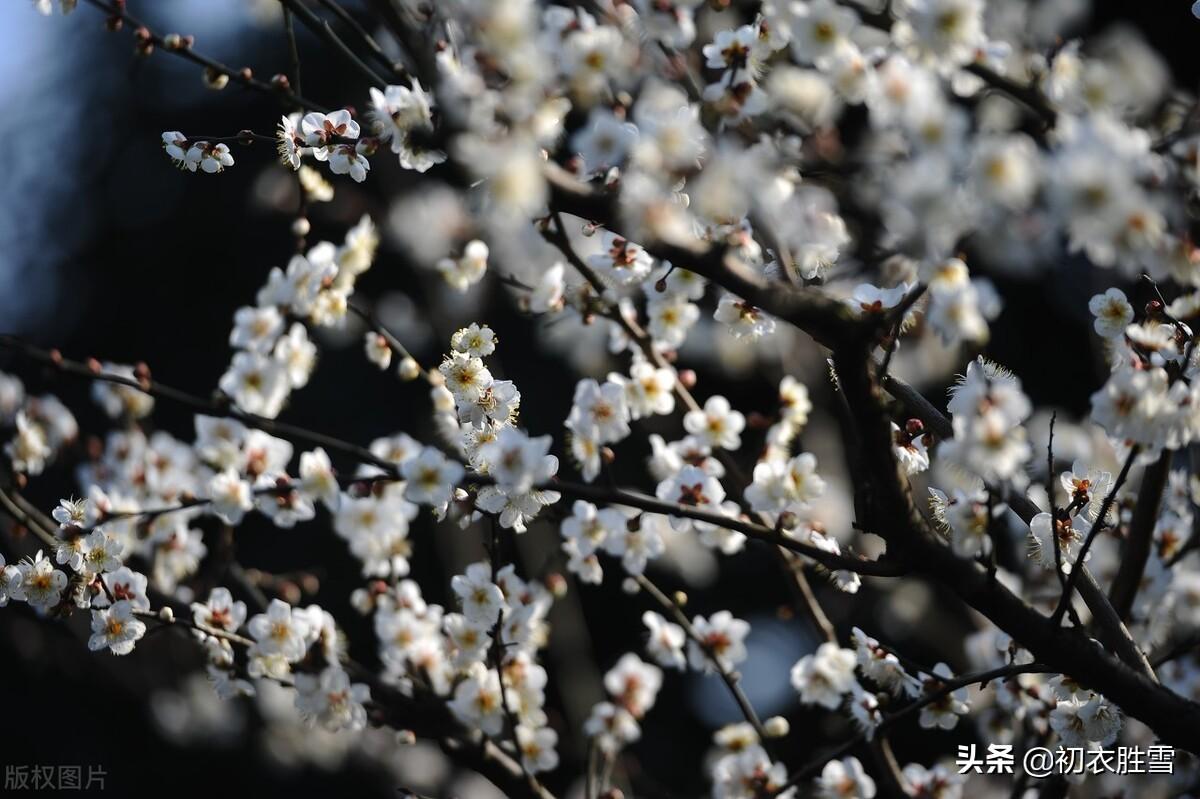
(41, 426)
(481, 659)
(273, 353)
(191, 155)
(872, 177)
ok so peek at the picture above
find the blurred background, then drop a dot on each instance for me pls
(108, 251)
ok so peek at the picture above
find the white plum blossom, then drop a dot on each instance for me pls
(431, 477)
(280, 631)
(230, 495)
(116, 628)
(331, 700)
(221, 612)
(621, 261)
(468, 269)
(845, 779)
(742, 319)
(477, 700)
(40, 584)
(599, 412)
(825, 677)
(482, 600)
(719, 642)
(665, 641)
(717, 424)
(944, 711)
(1113, 313)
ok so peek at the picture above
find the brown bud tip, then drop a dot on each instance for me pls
(687, 378)
(94, 447)
(787, 520)
(93, 366)
(173, 41)
(246, 73)
(914, 427)
(758, 421)
(310, 584)
(612, 793)
(379, 587)
(289, 592)
(556, 584)
(661, 285)
(114, 24)
(21, 480)
(56, 357)
(1153, 307)
(607, 455)
(280, 81)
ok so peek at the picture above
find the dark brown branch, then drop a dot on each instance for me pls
(944, 689)
(241, 76)
(322, 29)
(1141, 536)
(728, 676)
(1174, 718)
(1068, 589)
(220, 406)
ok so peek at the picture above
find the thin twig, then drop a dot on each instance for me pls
(944, 689)
(728, 676)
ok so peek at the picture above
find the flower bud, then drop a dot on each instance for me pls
(687, 378)
(301, 226)
(166, 615)
(289, 592)
(143, 41)
(173, 41)
(409, 368)
(556, 584)
(630, 586)
(680, 598)
(776, 726)
(405, 737)
(281, 82)
(215, 79)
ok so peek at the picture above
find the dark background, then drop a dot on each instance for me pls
(107, 251)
